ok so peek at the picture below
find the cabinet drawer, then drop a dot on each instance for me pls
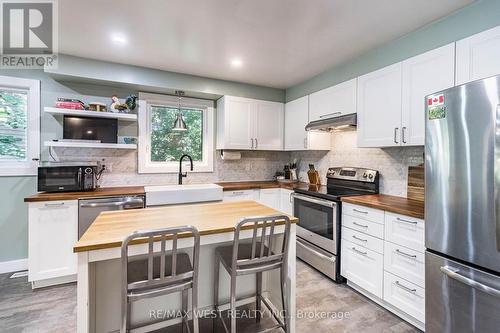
(241, 195)
(404, 262)
(405, 296)
(363, 267)
(366, 213)
(404, 230)
(365, 226)
(359, 238)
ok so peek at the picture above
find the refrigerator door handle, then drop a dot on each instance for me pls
(453, 274)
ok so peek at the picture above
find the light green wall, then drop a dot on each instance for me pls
(479, 16)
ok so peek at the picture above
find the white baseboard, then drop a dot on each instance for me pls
(13, 266)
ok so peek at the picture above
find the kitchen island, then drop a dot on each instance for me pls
(99, 269)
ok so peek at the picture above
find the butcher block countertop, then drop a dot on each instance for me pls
(111, 228)
(263, 184)
(100, 192)
(390, 203)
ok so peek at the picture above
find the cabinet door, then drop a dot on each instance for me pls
(268, 125)
(423, 75)
(379, 108)
(362, 266)
(239, 123)
(296, 118)
(286, 205)
(53, 231)
(333, 101)
(478, 56)
(270, 197)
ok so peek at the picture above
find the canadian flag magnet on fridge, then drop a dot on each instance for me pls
(435, 100)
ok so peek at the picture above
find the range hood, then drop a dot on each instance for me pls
(330, 124)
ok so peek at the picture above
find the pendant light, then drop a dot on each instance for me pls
(179, 123)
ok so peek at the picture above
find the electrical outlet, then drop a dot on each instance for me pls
(109, 167)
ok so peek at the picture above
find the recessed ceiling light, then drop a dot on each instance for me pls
(236, 62)
(119, 39)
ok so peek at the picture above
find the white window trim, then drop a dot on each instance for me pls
(144, 157)
(28, 167)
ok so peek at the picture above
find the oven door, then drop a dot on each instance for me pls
(317, 221)
(60, 178)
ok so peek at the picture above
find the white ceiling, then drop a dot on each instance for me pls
(280, 42)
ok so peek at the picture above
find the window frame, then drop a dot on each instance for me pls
(29, 167)
(146, 100)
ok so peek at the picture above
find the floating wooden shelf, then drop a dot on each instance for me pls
(89, 145)
(96, 114)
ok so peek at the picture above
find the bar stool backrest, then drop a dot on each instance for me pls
(262, 253)
(160, 235)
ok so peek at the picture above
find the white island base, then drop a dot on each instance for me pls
(99, 285)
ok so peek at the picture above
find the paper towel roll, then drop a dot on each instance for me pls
(230, 155)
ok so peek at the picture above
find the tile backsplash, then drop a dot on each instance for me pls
(392, 163)
(261, 165)
(253, 165)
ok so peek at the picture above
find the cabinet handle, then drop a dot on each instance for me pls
(360, 225)
(404, 254)
(359, 211)
(330, 114)
(238, 193)
(403, 134)
(413, 291)
(252, 142)
(256, 143)
(291, 197)
(305, 142)
(53, 205)
(406, 221)
(396, 129)
(358, 251)
(360, 239)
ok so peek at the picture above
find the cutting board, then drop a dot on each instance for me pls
(416, 183)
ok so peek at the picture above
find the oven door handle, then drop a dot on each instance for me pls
(321, 202)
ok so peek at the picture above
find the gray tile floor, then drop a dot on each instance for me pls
(54, 309)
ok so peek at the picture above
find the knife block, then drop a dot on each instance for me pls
(314, 178)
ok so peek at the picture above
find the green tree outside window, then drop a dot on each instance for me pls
(168, 145)
(13, 124)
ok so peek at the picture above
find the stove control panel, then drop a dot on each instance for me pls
(358, 174)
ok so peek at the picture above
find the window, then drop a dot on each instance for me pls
(19, 126)
(160, 148)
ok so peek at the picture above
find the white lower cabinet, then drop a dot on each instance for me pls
(53, 231)
(364, 267)
(383, 257)
(286, 201)
(270, 197)
(405, 296)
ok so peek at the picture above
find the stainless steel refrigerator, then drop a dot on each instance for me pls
(462, 209)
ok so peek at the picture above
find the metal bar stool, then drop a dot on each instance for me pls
(254, 258)
(160, 273)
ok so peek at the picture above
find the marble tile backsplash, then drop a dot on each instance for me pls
(261, 165)
(254, 165)
(392, 163)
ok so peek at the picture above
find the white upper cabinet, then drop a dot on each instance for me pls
(391, 101)
(478, 56)
(333, 101)
(424, 74)
(296, 137)
(244, 124)
(379, 107)
(268, 128)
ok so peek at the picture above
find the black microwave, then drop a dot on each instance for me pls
(66, 178)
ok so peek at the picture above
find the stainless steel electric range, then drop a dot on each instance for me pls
(319, 210)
